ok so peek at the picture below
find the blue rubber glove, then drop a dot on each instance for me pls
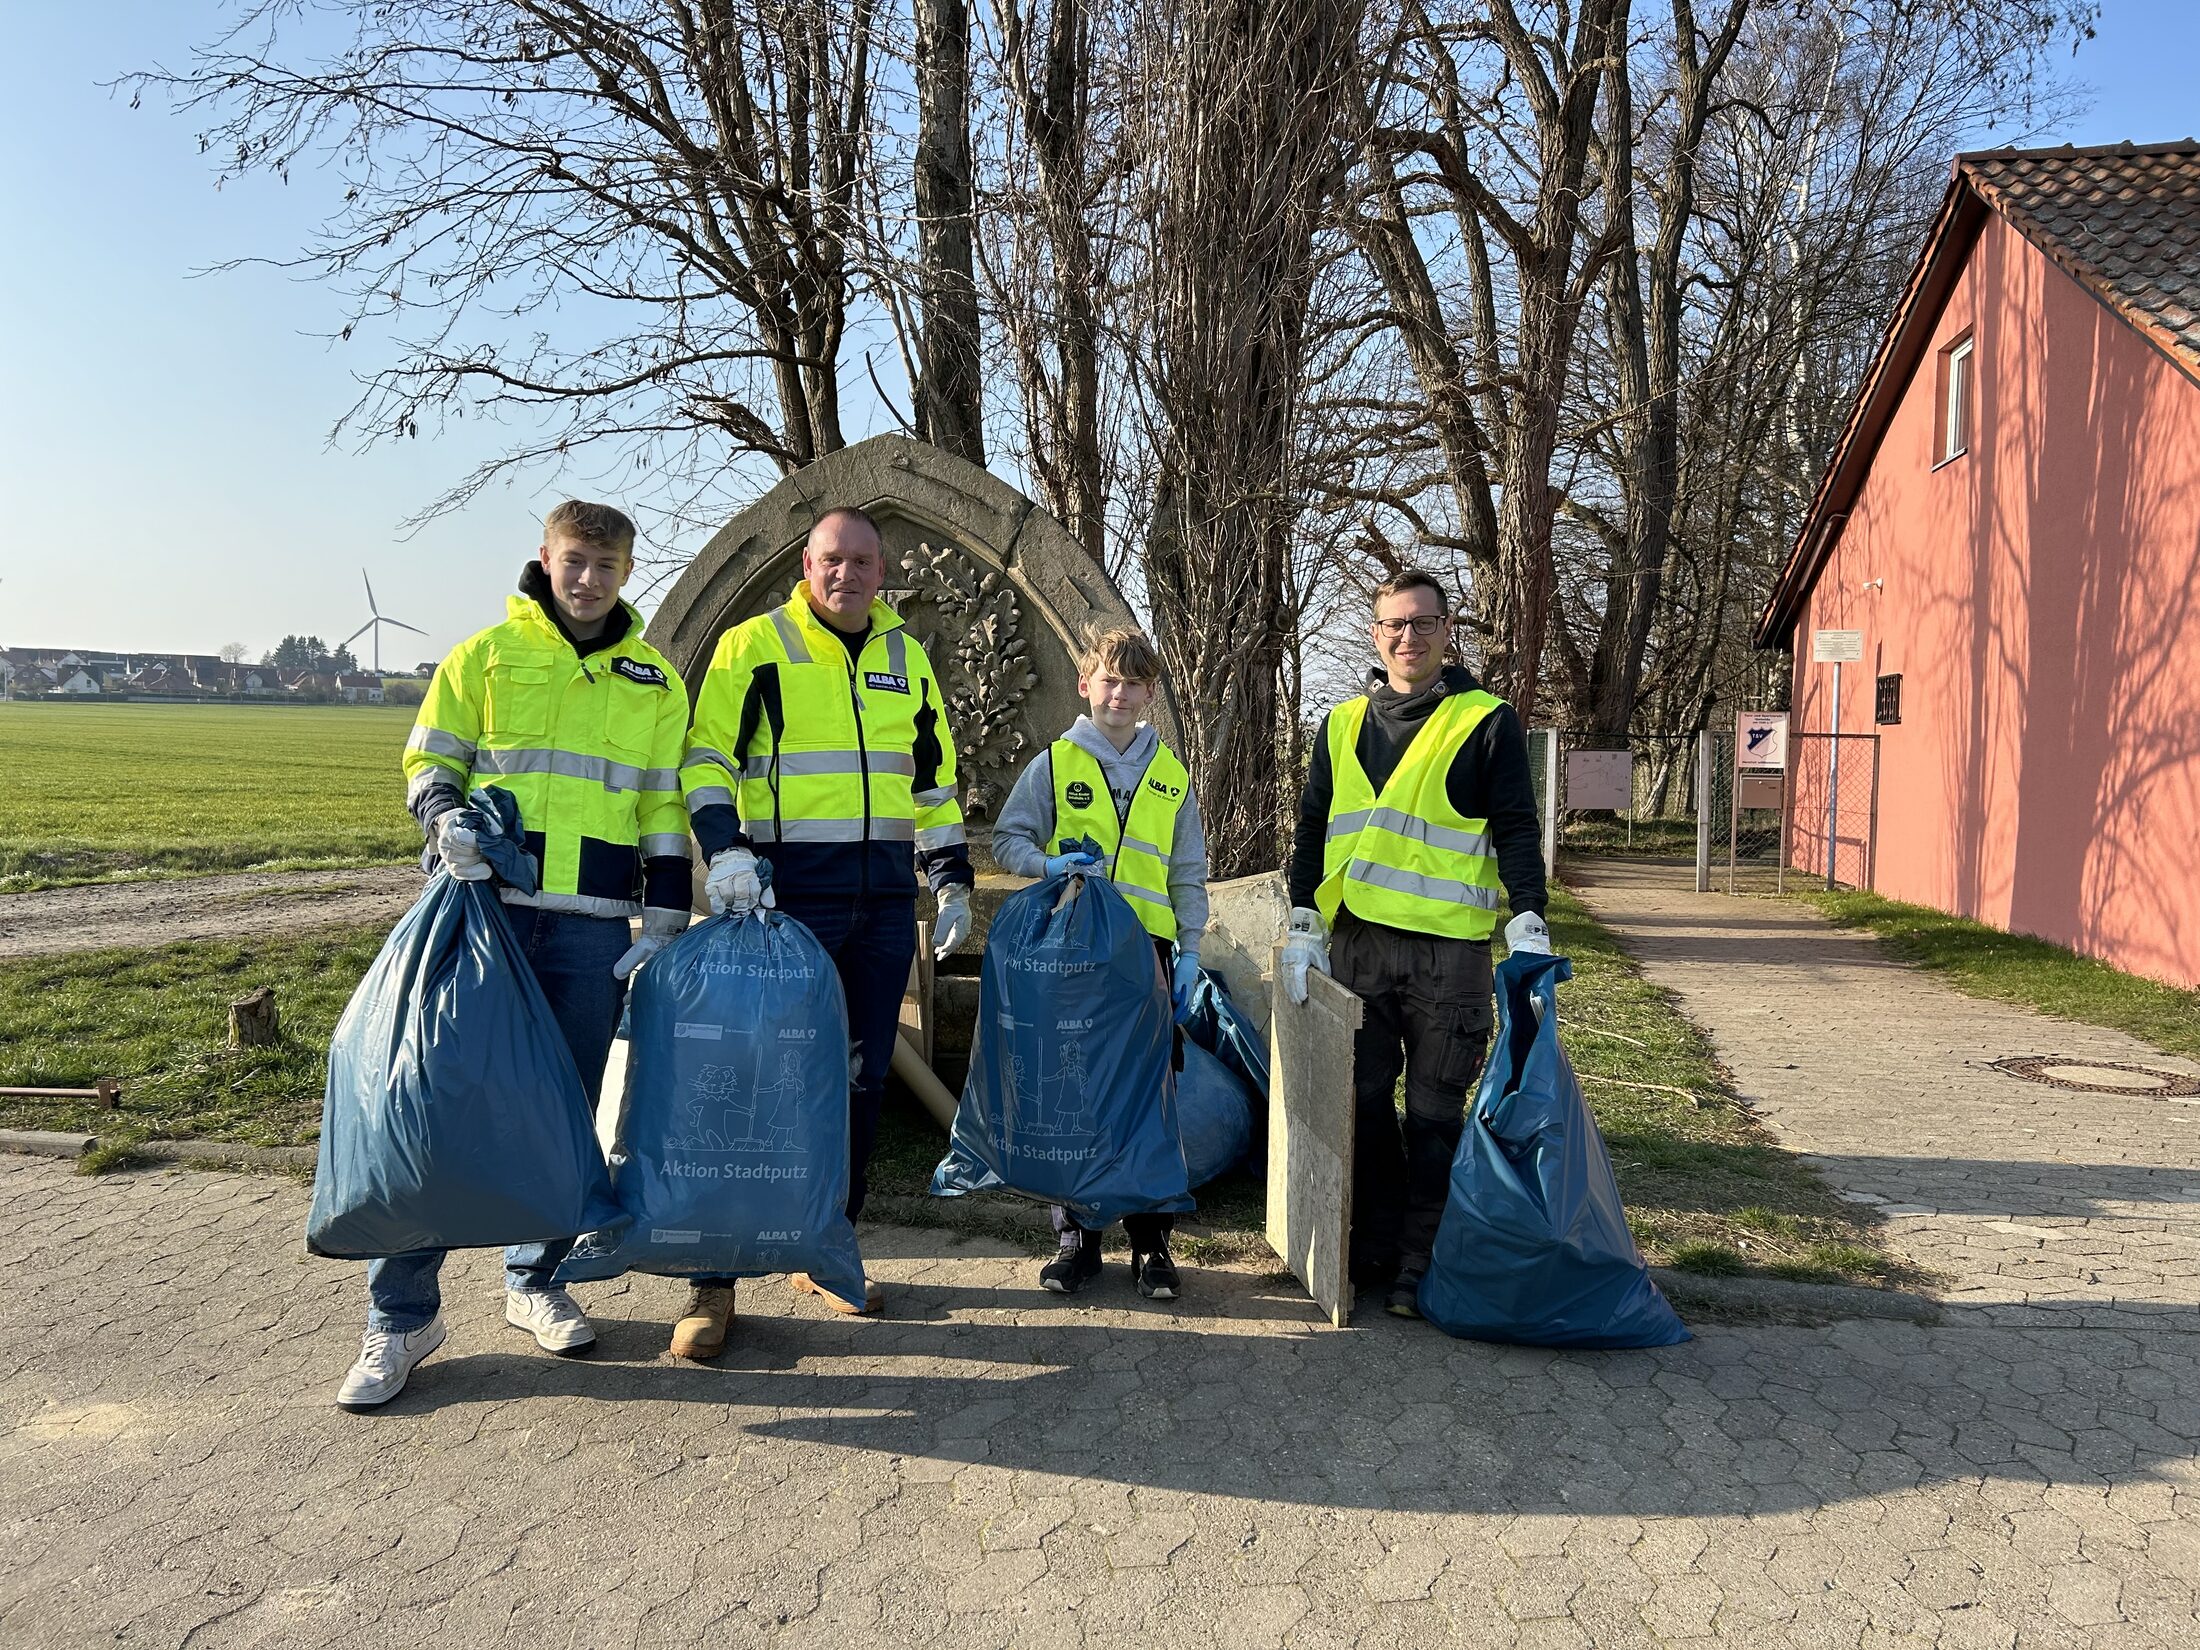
(1079, 861)
(1185, 982)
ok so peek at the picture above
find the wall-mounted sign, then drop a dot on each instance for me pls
(1836, 647)
(1600, 779)
(1760, 739)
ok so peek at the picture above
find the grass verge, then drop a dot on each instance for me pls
(115, 792)
(2015, 968)
(1706, 1189)
(159, 1020)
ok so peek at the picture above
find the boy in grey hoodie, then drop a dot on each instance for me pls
(1111, 778)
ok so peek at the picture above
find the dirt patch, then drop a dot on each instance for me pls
(103, 915)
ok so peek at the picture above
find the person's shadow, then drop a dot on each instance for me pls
(1242, 1390)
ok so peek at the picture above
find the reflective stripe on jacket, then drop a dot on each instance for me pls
(1407, 858)
(814, 746)
(590, 748)
(1136, 847)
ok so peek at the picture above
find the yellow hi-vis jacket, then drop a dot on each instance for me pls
(1136, 848)
(1407, 858)
(840, 767)
(589, 747)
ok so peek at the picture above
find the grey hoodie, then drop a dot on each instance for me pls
(1021, 835)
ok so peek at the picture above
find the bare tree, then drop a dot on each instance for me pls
(1239, 141)
(676, 181)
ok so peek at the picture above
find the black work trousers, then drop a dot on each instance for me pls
(1427, 1011)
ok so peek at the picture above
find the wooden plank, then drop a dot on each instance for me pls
(916, 1002)
(1310, 1136)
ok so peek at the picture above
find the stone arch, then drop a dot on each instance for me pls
(994, 587)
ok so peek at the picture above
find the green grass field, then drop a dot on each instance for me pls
(100, 792)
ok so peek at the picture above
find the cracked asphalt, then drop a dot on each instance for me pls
(991, 1466)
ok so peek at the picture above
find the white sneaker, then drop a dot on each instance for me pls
(553, 1317)
(385, 1360)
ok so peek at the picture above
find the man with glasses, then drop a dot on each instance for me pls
(1418, 811)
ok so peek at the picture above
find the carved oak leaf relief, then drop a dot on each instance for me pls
(971, 624)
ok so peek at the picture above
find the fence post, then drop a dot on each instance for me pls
(1704, 756)
(1552, 779)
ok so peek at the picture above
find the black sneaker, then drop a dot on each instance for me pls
(1156, 1275)
(1405, 1298)
(1073, 1267)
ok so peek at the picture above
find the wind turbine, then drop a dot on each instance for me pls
(376, 623)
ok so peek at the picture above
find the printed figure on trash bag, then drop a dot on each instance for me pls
(1107, 800)
(821, 750)
(721, 1119)
(1054, 1104)
(582, 724)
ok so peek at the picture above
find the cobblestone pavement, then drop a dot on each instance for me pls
(990, 1466)
(2028, 1200)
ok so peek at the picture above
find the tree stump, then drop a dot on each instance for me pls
(252, 1021)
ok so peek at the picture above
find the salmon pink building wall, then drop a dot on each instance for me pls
(2040, 598)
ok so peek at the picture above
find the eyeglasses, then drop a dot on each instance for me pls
(1422, 624)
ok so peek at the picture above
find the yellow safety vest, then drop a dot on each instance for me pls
(837, 744)
(589, 748)
(1137, 848)
(1407, 858)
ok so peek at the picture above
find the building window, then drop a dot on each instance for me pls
(1955, 400)
(1888, 706)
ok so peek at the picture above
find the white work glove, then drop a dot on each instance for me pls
(660, 927)
(1527, 933)
(459, 845)
(1305, 946)
(733, 885)
(953, 924)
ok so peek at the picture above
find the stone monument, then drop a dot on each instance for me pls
(994, 587)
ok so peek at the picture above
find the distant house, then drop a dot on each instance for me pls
(2012, 520)
(364, 688)
(80, 680)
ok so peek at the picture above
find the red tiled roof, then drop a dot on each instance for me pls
(2122, 221)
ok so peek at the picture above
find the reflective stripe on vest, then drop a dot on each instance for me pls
(1138, 862)
(1407, 858)
(840, 767)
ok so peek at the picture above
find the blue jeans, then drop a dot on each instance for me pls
(572, 958)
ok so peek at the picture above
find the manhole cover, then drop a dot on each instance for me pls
(2059, 1071)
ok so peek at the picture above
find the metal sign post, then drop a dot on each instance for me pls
(1835, 648)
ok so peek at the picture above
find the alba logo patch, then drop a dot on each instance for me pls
(1079, 794)
(635, 671)
(1172, 792)
(885, 681)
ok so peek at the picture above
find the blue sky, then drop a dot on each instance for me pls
(163, 438)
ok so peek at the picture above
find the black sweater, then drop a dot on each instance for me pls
(1488, 780)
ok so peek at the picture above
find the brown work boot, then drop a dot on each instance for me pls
(803, 1284)
(701, 1331)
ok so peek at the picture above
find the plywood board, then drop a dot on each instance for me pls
(1310, 1137)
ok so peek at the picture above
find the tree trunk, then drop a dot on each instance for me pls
(949, 393)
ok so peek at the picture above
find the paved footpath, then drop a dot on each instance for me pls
(989, 1466)
(2029, 1201)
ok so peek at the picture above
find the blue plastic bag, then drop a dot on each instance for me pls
(454, 1117)
(732, 1156)
(1213, 1021)
(1214, 1113)
(1070, 1098)
(1534, 1245)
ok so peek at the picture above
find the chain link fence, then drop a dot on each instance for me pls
(1681, 800)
